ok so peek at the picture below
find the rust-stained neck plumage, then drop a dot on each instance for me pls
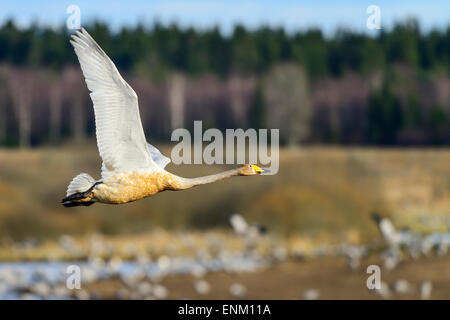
(180, 183)
(132, 186)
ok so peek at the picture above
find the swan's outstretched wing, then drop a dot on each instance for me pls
(120, 137)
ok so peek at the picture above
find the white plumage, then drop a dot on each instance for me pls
(80, 183)
(120, 136)
(240, 226)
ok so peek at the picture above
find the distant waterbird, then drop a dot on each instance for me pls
(387, 229)
(425, 290)
(132, 169)
(401, 286)
(354, 254)
(238, 290)
(415, 244)
(384, 291)
(242, 228)
(311, 294)
(202, 287)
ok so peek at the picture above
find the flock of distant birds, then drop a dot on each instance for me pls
(396, 243)
(142, 277)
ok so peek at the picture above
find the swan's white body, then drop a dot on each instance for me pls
(132, 168)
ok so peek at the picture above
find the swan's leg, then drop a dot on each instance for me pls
(69, 204)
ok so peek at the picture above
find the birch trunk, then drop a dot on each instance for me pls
(237, 101)
(23, 105)
(55, 96)
(21, 94)
(176, 100)
(78, 119)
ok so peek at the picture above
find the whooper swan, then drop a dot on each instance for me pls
(132, 169)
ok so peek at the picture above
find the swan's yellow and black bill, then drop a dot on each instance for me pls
(257, 169)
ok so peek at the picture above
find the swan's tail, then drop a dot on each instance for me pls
(79, 190)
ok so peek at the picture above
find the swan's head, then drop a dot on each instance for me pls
(250, 170)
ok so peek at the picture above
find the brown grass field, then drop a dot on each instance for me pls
(321, 196)
(319, 193)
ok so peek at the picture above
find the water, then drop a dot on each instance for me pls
(16, 278)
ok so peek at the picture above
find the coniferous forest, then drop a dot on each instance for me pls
(349, 88)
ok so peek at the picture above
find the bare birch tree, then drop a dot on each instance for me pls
(3, 103)
(21, 88)
(287, 102)
(236, 99)
(55, 105)
(176, 95)
(75, 88)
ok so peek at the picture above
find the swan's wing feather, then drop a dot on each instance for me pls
(161, 160)
(120, 137)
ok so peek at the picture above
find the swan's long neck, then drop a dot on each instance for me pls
(181, 183)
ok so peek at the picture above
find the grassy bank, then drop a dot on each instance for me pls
(319, 193)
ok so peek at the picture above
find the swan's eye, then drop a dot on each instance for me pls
(249, 165)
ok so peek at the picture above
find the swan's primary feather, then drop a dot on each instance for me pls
(120, 136)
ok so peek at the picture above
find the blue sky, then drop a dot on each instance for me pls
(293, 15)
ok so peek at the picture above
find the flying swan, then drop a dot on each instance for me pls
(132, 169)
